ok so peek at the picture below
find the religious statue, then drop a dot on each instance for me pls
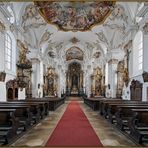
(96, 82)
(50, 84)
(23, 52)
(126, 76)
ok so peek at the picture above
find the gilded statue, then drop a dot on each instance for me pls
(23, 52)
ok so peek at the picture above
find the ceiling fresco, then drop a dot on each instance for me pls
(74, 53)
(75, 16)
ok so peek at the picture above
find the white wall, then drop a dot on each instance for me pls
(145, 53)
(2, 91)
(112, 68)
(21, 94)
(145, 92)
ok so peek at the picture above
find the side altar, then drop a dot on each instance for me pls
(50, 83)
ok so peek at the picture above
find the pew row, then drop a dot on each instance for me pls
(138, 125)
(93, 103)
(18, 116)
(130, 117)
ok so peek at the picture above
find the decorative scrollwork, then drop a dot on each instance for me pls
(2, 27)
(126, 76)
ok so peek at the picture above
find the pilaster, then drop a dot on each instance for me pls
(35, 77)
(112, 76)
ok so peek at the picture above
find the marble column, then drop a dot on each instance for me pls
(35, 77)
(145, 47)
(145, 61)
(41, 78)
(112, 76)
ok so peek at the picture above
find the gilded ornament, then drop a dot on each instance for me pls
(74, 40)
(23, 62)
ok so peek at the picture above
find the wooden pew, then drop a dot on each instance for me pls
(54, 103)
(92, 102)
(104, 105)
(42, 105)
(34, 109)
(113, 108)
(8, 125)
(124, 113)
(138, 125)
(23, 113)
(107, 104)
(38, 100)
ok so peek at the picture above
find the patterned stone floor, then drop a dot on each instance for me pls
(39, 134)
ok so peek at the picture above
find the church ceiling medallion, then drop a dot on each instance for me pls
(74, 53)
(74, 40)
(75, 16)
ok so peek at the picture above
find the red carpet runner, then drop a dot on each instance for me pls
(73, 129)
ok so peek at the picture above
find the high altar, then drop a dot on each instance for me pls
(74, 79)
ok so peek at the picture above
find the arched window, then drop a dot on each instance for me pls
(8, 52)
(138, 53)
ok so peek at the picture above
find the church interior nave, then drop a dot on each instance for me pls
(109, 136)
(73, 73)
